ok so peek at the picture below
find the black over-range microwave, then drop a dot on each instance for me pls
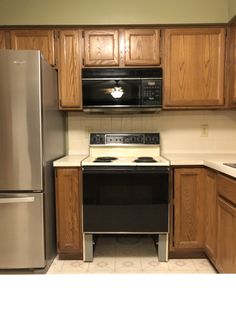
(122, 89)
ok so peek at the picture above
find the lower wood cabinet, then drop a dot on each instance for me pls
(226, 257)
(188, 218)
(226, 224)
(211, 214)
(69, 213)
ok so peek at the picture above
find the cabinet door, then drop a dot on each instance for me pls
(226, 255)
(2, 40)
(70, 69)
(68, 212)
(142, 47)
(211, 215)
(194, 67)
(231, 66)
(101, 47)
(42, 40)
(189, 208)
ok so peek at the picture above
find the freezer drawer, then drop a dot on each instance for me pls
(21, 231)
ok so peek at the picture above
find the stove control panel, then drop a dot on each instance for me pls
(124, 139)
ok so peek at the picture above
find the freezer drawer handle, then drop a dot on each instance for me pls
(17, 200)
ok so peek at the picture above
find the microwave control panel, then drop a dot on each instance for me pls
(151, 92)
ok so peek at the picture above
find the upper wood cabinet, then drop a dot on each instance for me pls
(211, 215)
(142, 47)
(194, 67)
(2, 40)
(231, 67)
(70, 69)
(42, 40)
(189, 189)
(69, 212)
(101, 47)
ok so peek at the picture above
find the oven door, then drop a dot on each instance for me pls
(111, 93)
(125, 199)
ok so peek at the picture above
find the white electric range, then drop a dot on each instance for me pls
(125, 188)
(131, 149)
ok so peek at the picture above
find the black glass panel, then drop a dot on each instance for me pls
(125, 202)
(98, 93)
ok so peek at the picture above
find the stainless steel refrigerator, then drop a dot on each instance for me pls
(32, 132)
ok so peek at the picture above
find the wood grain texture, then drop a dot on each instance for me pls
(226, 253)
(69, 211)
(42, 40)
(101, 47)
(231, 67)
(211, 215)
(2, 40)
(142, 47)
(70, 69)
(194, 67)
(189, 208)
(226, 188)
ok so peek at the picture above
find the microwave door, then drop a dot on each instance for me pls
(111, 93)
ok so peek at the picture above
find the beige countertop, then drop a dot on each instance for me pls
(213, 161)
(69, 161)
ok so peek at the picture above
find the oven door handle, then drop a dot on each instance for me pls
(126, 169)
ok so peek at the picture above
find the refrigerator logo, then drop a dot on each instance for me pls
(19, 62)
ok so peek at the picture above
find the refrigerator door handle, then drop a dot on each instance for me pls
(8, 200)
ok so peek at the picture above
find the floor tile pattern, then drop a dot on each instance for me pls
(122, 254)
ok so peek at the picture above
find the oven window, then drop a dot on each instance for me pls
(125, 202)
(111, 93)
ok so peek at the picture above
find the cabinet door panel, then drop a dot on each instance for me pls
(42, 40)
(211, 214)
(69, 226)
(194, 67)
(2, 40)
(142, 47)
(101, 47)
(70, 69)
(226, 257)
(231, 75)
(188, 208)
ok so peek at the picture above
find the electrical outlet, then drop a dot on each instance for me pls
(204, 130)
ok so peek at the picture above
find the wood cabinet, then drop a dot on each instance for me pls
(231, 67)
(226, 224)
(211, 214)
(69, 213)
(189, 208)
(122, 47)
(70, 69)
(194, 67)
(101, 47)
(2, 40)
(142, 47)
(39, 39)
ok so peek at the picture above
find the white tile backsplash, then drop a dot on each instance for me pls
(180, 130)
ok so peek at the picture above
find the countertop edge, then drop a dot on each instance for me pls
(218, 165)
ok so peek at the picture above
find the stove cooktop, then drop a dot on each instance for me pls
(122, 149)
(125, 161)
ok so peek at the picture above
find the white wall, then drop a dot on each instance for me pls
(79, 12)
(232, 8)
(180, 130)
